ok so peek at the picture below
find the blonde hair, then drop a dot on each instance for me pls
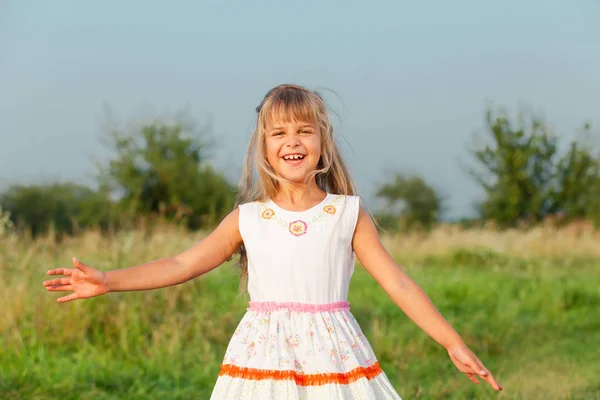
(289, 103)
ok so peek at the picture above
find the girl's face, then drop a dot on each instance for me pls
(293, 149)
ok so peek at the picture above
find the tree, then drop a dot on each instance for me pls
(162, 168)
(577, 175)
(61, 206)
(523, 175)
(410, 201)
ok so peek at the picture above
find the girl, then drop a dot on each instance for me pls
(298, 229)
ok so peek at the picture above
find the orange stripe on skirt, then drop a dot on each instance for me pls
(300, 378)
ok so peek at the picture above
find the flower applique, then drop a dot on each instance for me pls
(268, 213)
(329, 209)
(300, 227)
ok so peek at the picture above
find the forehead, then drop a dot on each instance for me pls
(280, 123)
(281, 113)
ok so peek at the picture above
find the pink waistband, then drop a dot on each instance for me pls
(300, 307)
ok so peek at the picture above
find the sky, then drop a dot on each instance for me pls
(410, 81)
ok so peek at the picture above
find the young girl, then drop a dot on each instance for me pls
(298, 229)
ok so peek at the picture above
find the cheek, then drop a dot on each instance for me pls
(271, 151)
(314, 147)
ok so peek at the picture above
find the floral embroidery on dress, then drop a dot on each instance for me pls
(268, 213)
(298, 228)
(329, 209)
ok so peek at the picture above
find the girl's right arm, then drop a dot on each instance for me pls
(204, 256)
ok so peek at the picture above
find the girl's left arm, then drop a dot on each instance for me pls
(413, 300)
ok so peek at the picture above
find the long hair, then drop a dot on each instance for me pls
(286, 103)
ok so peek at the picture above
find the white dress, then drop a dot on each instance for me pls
(298, 338)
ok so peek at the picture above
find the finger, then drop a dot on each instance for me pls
(80, 266)
(59, 288)
(495, 385)
(59, 281)
(462, 366)
(61, 271)
(472, 377)
(487, 375)
(490, 379)
(64, 299)
(481, 369)
(475, 365)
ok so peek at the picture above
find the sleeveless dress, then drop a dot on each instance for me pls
(298, 338)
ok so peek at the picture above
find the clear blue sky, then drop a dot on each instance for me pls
(412, 79)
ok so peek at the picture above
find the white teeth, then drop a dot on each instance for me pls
(293, 157)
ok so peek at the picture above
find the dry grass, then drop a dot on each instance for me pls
(578, 239)
(530, 320)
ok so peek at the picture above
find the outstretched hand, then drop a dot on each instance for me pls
(470, 365)
(83, 280)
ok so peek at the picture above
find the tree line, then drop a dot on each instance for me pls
(524, 174)
(161, 169)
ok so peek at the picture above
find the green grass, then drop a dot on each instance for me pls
(533, 322)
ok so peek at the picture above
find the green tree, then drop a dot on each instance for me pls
(525, 178)
(163, 168)
(64, 207)
(577, 175)
(410, 202)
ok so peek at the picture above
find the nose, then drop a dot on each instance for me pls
(293, 141)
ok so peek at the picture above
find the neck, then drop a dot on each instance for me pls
(299, 193)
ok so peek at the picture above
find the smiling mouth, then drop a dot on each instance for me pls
(294, 159)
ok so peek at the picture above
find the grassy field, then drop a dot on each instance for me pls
(526, 303)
